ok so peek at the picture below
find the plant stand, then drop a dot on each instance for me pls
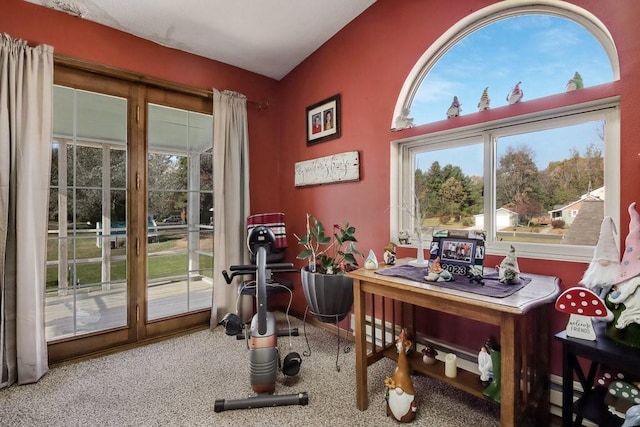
(329, 299)
(307, 353)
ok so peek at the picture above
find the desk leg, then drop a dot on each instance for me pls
(567, 387)
(362, 397)
(510, 378)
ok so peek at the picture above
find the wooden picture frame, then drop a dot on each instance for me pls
(323, 120)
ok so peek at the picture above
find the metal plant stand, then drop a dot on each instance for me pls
(337, 318)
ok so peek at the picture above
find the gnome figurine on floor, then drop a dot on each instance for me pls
(604, 268)
(508, 270)
(400, 397)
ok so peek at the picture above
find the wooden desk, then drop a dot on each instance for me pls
(524, 336)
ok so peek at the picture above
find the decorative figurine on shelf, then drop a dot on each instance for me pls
(455, 108)
(401, 404)
(484, 365)
(624, 299)
(508, 270)
(403, 121)
(485, 102)
(574, 83)
(429, 355)
(581, 304)
(493, 390)
(389, 256)
(604, 268)
(474, 273)
(516, 94)
(403, 237)
(371, 263)
(437, 273)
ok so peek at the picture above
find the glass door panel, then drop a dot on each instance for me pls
(180, 203)
(86, 254)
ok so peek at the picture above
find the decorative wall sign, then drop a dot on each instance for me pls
(323, 120)
(342, 167)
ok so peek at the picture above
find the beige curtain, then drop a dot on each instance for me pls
(230, 199)
(26, 91)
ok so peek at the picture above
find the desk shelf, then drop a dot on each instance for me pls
(465, 380)
(592, 407)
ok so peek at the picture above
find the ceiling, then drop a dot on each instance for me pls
(268, 37)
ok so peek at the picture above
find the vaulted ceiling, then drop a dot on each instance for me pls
(268, 37)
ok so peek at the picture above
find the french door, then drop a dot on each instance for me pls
(130, 247)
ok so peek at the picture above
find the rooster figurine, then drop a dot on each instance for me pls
(516, 94)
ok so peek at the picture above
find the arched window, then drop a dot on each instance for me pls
(513, 178)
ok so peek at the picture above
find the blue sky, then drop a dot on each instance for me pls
(541, 51)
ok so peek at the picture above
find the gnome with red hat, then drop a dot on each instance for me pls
(624, 299)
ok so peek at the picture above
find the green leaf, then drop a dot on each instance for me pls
(305, 254)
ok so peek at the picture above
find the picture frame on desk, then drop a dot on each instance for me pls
(458, 255)
(324, 121)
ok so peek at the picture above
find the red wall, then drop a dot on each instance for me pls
(367, 63)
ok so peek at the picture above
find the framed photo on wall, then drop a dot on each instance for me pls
(323, 120)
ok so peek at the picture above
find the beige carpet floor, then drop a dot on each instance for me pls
(176, 382)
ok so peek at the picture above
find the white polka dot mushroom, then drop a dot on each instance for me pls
(581, 304)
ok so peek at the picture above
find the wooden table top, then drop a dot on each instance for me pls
(540, 290)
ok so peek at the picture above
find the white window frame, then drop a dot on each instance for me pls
(403, 153)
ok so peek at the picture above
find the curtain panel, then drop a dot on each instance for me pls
(26, 92)
(230, 199)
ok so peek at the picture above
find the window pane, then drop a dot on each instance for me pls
(541, 51)
(448, 184)
(550, 185)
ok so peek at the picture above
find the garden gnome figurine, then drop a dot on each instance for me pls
(516, 94)
(604, 268)
(455, 108)
(575, 83)
(389, 255)
(493, 391)
(508, 270)
(429, 355)
(485, 102)
(371, 263)
(485, 366)
(625, 298)
(400, 397)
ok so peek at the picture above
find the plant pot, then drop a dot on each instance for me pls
(328, 296)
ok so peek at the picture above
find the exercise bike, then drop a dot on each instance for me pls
(262, 335)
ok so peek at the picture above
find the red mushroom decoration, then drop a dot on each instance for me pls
(582, 304)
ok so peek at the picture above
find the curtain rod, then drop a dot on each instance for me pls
(105, 70)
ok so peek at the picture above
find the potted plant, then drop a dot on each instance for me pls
(329, 293)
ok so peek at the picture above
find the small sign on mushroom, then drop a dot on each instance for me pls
(581, 304)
